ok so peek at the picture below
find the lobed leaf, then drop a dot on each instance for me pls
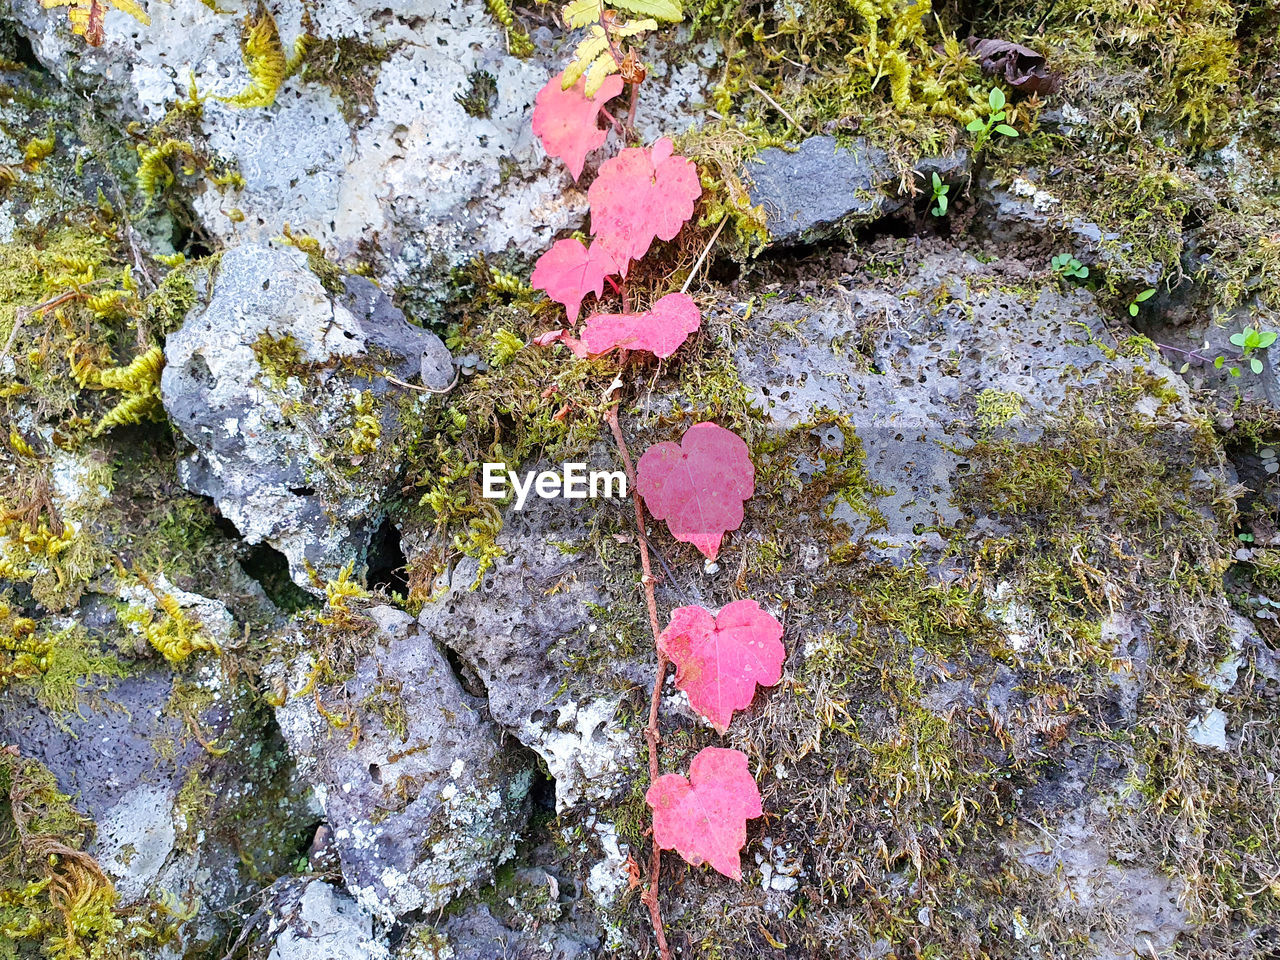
(569, 271)
(698, 486)
(660, 330)
(705, 817)
(567, 121)
(720, 660)
(641, 194)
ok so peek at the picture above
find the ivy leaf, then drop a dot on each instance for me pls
(698, 485)
(566, 120)
(719, 660)
(660, 330)
(705, 817)
(569, 271)
(641, 194)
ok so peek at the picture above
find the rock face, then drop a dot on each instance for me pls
(317, 921)
(280, 387)
(422, 794)
(823, 185)
(420, 145)
(518, 630)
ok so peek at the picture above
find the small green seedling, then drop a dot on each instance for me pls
(940, 191)
(994, 121)
(1143, 297)
(1251, 340)
(1065, 265)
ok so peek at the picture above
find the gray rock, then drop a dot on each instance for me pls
(324, 923)
(430, 184)
(913, 396)
(812, 191)
(273, 447)
(1025, 212)
(526, 619)
(427, 799)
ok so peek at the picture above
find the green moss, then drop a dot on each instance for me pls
(349, 67)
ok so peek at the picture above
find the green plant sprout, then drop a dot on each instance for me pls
(1143, 297)
(994, 121)
(1065, 265)
(940, 191)
(1249, 340)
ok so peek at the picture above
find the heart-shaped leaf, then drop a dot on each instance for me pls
(641, 194)
(567, 121)
(698, 485)
(660, 330)
(705, 817)
(719, 660)
(569, 271)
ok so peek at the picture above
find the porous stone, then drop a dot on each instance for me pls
(427, 798)
(520, 629)
(323, 923)
(274, 446)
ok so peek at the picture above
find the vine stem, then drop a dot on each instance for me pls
(651, 735)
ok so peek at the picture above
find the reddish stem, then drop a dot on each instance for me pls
(651, 735)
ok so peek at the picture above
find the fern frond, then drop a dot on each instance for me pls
(591, 47)
(265, 59)
(668, 10)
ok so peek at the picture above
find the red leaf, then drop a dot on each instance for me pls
(705, 817)
(641, 194)
(566, 121)
(660, 331)
(698, 486)
(569, 271)
(561, 336)
(719, 660)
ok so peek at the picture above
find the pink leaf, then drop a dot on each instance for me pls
(566, 121)
(698, 486)
(561, 336)
(705, 817)
(719, 660)
(660, 331)
(569, 271)
(641, 194)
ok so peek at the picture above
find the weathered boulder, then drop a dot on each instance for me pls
(280, 387)
(824, 185)
(522, 629)
(408, 124)
(423, 794)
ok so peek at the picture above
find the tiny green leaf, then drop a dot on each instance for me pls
(996, 98)
(973, 126)
(1255, 364)
(1133, 309)
(1238, 339)
(1266, 339)
(1144, 296)
(1217, 364)
(1185, 367)
(1007, 130)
